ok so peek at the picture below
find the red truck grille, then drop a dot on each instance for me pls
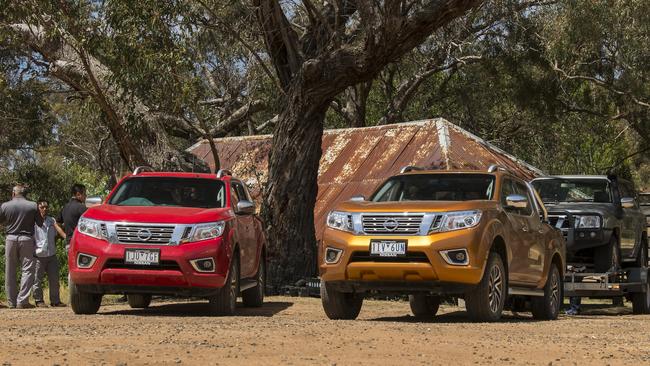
(141, 234)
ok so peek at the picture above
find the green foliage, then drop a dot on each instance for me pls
(26, 119)
(51, 178)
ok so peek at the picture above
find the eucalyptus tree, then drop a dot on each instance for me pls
(318, 49)
(160, 73)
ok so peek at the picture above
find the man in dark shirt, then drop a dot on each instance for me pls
(20, 216)
(72, 211)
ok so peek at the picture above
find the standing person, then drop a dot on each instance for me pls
(46, 260)
(20, 216)
(72, 211)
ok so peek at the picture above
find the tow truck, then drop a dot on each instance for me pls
(606, 235)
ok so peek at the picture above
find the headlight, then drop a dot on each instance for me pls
(207, 231)
(587, 222)
(340, 221)
(91, 228)
(459, 220)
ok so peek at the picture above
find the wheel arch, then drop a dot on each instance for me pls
(499, 246)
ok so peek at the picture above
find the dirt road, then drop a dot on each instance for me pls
(295, 331)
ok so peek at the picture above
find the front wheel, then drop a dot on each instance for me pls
(424, 306)
(485, 302)
(547, 307)
(607, 257)
(641, 300)
(139, 301)
(225, 301)
(340, 305)
(254, 296)
(83, 302)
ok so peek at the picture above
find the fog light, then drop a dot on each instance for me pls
(456, 257)
(203, 265)
(85, 260)
(592, 234)
(332, 255)
(582, 235)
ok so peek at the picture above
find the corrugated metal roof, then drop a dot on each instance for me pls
(356, 160)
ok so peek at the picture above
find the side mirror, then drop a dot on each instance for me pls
(628, 202)
(93, 201)
(516, 201)
(358, 198)
(245, 207)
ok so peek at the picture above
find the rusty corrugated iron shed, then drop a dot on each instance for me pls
(356, 160)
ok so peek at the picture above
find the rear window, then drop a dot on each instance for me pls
(436, 187)
(170, 191)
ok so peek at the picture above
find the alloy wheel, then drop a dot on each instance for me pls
(555, 291)
(495, 288)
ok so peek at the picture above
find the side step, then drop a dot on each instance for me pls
(522, 291)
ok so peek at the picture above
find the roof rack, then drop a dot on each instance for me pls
(494, 167)
(222, 173)
(410, 168)
(141, 169)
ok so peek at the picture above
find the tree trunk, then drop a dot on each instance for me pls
(356, 98)
(214, 151)
(289, 200)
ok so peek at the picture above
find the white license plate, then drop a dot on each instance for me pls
(146, 257)
(388, 248)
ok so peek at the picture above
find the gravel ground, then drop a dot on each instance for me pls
(294, 331)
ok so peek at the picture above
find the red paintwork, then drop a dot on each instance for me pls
(221, 249)
(158, 214)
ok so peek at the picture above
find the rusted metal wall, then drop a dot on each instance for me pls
(356, 160)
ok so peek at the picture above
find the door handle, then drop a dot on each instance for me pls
(524, 229)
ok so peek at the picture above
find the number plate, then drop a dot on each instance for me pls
(143, 257)
(388, 248)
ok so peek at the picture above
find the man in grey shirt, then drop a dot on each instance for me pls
(19, 216)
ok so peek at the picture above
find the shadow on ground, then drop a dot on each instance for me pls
(603, 310)
(461, 316)
(194, 309)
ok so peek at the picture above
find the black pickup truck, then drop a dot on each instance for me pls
(644, 200)
(609, 229)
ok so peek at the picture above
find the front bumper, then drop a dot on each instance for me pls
(174, 275)
(586, 239)
(423, 267)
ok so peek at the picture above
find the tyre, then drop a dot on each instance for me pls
(641, 300)
(608, 257)
(485, 302)
(547, 307)
(83, 302)
(139, 301)
(254, 296)
(642, 258)
(340, 305)
(424, 306)
(225, 301)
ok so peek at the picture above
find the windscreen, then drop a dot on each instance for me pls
(573, 190)
(436, 187)
(169, 191)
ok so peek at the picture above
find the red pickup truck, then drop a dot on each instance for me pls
(179, 234)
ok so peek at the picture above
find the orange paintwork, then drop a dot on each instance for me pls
(528, 261)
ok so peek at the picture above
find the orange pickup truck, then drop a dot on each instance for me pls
(482, 236)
